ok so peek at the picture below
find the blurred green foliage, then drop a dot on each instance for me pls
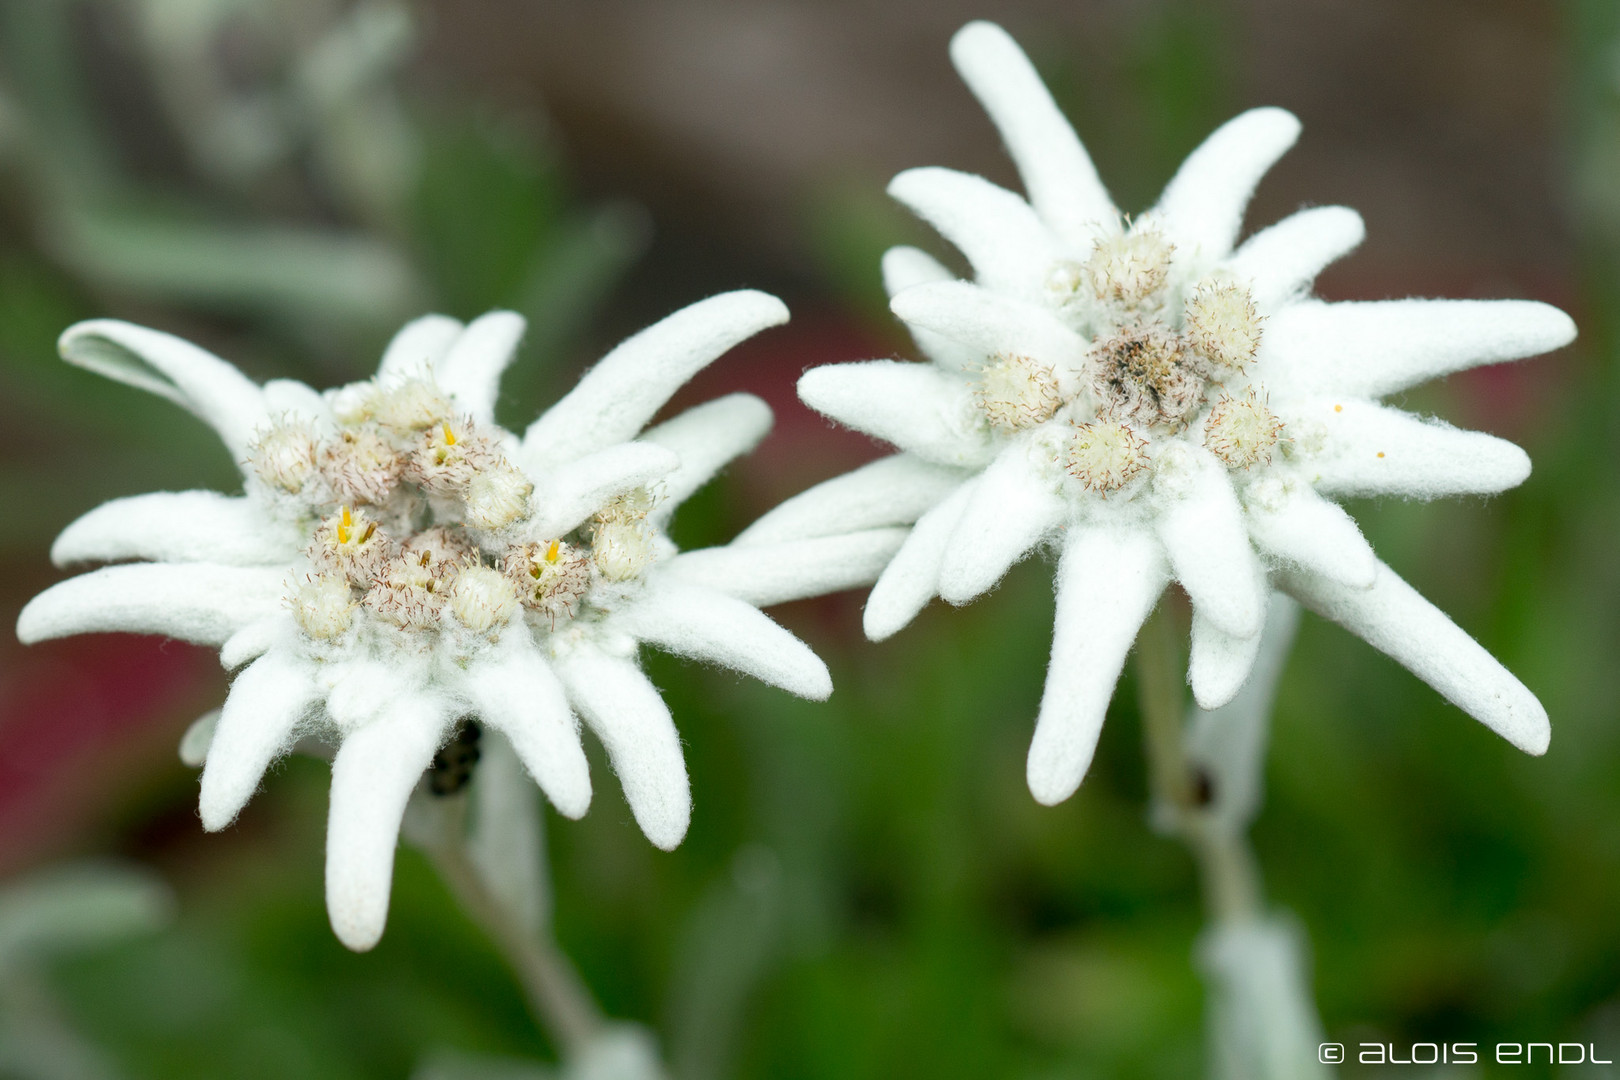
(868, 890)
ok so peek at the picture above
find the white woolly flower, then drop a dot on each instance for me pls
(440, 577)
(1210, 412)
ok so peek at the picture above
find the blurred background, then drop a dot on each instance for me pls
(868, 890)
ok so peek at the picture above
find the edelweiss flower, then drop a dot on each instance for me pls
(1158, 406)
(400, 569)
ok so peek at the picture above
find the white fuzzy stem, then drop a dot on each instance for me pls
(1264, 1021)
(558, 998)
(1185, 803)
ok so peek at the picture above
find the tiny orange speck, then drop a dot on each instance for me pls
(1338, 408)
(1380, 453)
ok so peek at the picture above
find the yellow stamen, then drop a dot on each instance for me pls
(449, 436)
(553, 550)
(345, 523)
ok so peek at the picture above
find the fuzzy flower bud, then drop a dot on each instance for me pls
(496, 496)
(409, 595)
(621, 538)
(412, 405)
(1105, 456)
(1017, 392)
(438, 549)
(621, 547)
(549, 578)
(351, 404)
(622, 542)
(1241, 431)
(1141, 374)
(322, 606)
(1065, 281)
(482, 598)
(361, 466)
(1129, 268)
(449, 456)
(284, 455)
(1222, 326)
(347, 545)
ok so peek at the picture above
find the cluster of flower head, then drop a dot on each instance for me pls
(422, 519)
(1163, 361)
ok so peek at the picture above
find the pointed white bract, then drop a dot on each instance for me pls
(401, 572)
(1057, 172)
(704, 440)
(1281, 262)
(1163, 404)
(191, 377)
(174, 526)
(894, 490)
(470, 371)
(257, 725)
(912, 406)
(911, 578)
(766, 574)
(633, 722)
(1107, 583)
(1010, 511)
(1202, 207)
(418, 347)
(373, 774)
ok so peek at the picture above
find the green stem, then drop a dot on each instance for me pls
(1229, 873)
(558, 997)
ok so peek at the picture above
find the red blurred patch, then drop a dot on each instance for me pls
(78, 718)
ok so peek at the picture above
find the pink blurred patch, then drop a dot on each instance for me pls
(81, 720)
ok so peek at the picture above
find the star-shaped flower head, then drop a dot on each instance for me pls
(400, 569)
(1157, 406)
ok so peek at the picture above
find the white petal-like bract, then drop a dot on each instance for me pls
(634, 724)
(470, 370)
(914, 406)
(766, 574)
(893, 490)
(1057, 172)
(1107, 584)
(912, 577)
(517, 694)
(197, 602)
(1394, 619)
(1202, 207)
(177, 526)
(257, 724)
(372, 777)
(707, 625)
(191, 377)
(705, 439)
(616, 398)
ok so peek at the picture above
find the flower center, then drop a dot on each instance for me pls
(1017, 392)
(1167, 363)
(421, 522)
